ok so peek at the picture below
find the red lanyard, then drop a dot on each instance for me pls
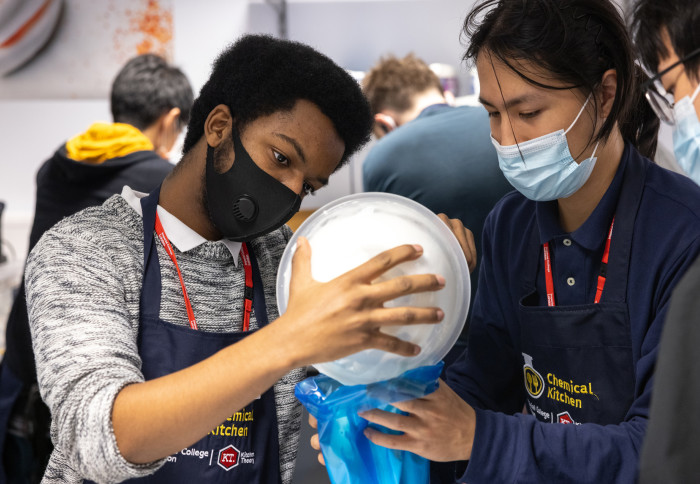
(247, 267)
(549, 282)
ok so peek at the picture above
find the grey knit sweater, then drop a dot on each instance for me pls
(83, 284)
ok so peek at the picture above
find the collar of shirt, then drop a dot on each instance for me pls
(180, 235)
(595, 229)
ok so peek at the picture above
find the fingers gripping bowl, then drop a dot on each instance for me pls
(351, 230)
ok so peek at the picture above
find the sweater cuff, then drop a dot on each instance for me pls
(495, 456)
(128, 470)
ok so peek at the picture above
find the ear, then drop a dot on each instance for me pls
(218, 125)
(384, 122)
(170, 121)
(168, 131)
(606, 92)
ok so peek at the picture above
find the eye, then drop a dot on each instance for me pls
(281, 159)
(308, 189)
(494, 114)
(531, 114)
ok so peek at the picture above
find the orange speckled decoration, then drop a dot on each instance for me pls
(155, 24)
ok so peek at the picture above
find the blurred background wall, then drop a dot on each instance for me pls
(39, 111)
(354, 33)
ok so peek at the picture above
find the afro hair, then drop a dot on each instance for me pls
(260, 75)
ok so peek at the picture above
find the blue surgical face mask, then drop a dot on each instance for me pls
(545, 170)
(686, 136)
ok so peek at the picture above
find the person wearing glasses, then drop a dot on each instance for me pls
(668, 39)
(667, 36)
(578, 264)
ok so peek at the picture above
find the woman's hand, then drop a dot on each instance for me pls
(327, 321)
(439, 426)
(465, 237)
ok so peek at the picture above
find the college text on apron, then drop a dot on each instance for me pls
(577, 360)
(244, 448)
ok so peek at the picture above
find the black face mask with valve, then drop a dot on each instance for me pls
(246, 202)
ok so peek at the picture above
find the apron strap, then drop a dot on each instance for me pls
(532, 259)
(259, 305)
(621, 244)
(149, 304)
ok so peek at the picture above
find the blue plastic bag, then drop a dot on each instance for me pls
(350, 457)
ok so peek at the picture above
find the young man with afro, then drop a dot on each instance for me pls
(159, 348)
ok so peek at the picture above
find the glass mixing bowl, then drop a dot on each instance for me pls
(351, 230)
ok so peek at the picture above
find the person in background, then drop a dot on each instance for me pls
(158, 343)
(150, 104)
(578, 264)
(438, 155)
(672, 443)
(668, 39)
(667, 36)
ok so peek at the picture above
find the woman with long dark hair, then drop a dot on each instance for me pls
(578, 263)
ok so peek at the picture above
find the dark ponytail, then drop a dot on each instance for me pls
(575, 40)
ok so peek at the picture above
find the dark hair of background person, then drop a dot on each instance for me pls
(259, 75)
(576, 41)
(392, 83)
(148, 87)
(681, 18)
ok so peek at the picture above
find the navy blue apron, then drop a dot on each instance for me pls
(244, 448)
(578, 364)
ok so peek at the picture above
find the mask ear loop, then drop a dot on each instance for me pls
(579, 113)
(578, 116)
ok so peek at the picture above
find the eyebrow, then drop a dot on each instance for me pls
(300, 152)
(512, 102)
(294, 144)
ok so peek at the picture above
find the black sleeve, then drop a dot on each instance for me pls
(672, 444)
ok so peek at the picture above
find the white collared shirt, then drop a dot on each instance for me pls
(180, 235)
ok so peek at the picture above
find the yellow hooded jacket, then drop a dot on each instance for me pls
(105, 141)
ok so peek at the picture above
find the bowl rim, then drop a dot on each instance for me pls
(451, 244)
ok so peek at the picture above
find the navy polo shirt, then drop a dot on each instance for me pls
(576, 257)
(510, 446)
